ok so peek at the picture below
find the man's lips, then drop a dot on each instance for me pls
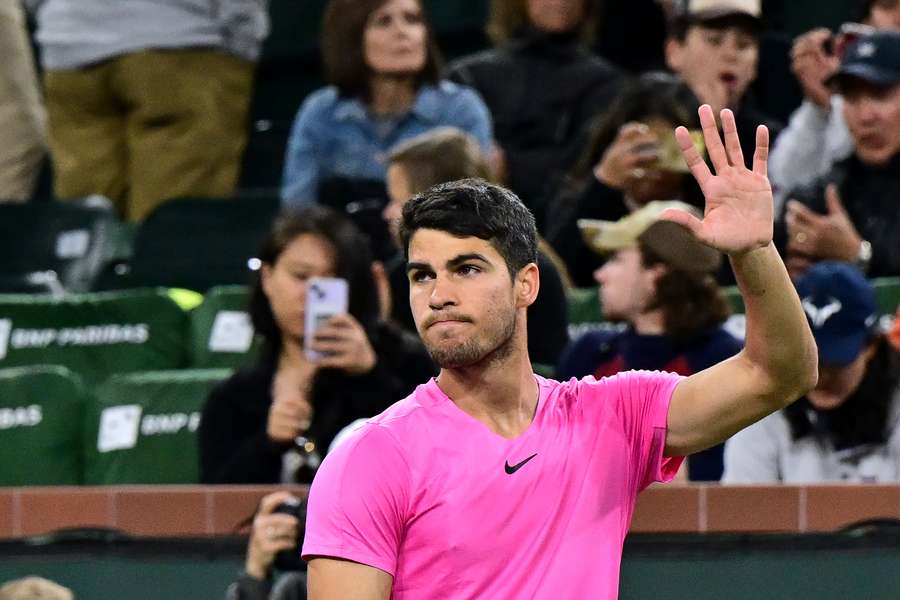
(445, 320)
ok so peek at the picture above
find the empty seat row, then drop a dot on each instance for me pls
(134, 428)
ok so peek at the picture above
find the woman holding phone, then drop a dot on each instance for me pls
(273, 421)
(630, 159)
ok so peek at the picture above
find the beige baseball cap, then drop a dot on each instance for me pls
(705, 10)
(670, 241)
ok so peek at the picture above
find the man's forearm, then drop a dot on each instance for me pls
(778, 338)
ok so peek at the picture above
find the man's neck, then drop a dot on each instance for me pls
(649, 323)
(391, 95)
(502, 394)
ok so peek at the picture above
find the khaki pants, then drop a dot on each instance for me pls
(22, 143)
(148, 127)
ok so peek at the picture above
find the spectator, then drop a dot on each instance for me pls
(273, 532)
(817, 136)
(271, 422)
(848, 427)
(147, 100)
(630, 159)
(713, 46)
(383, 66)
(22, 116)
(34, 588)
(659, 283)
(851, 213)
(445, 155)
(542, 85)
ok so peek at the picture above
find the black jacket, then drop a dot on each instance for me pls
(871, 196)
(542, 90)
(234, 447)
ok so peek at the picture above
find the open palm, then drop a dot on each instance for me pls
(738, 216)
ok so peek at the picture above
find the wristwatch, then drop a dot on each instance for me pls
(864, 257)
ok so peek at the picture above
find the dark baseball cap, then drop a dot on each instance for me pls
(874, 58)
(840, 305)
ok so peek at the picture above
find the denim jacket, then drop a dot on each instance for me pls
(335, 136)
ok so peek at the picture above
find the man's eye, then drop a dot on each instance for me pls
(467, 270)
(419, 276)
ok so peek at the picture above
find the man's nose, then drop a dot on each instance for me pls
(442, 294)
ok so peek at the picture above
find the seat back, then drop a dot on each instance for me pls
(198, 243)
(41, 412)
(222, 335)
(141, 427)
(71, 241)
(95, 335)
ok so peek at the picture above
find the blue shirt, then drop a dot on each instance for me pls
(336, 136)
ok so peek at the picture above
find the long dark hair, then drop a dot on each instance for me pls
(653, 95)
(353, 262)
(343, 27)
(863, 417)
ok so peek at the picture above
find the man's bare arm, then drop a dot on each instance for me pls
(778, 363)
(335, 579)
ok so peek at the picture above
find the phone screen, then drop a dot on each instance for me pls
(325, 298)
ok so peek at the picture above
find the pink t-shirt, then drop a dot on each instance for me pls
(452, 510)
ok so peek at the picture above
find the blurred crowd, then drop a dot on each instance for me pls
(573, 107)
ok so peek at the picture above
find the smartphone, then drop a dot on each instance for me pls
(847, 34)
(325, 298)
(669, 153)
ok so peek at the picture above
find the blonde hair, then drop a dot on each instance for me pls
(34, 588)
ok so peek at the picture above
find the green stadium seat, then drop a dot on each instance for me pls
(543, 370)
(41, 412)
(584, 306)
(221, 331)
(94, 335)
(141, 427)
(735, 299)
(54, 246)
(887, 293)
(198, 243)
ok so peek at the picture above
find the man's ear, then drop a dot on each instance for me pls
(528, 283)
(674, 50)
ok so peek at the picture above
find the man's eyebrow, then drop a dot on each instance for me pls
(453, 262)
(458, 260)
(417, 266)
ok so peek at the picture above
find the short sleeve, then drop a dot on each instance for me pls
(641, 402)
(358, 501)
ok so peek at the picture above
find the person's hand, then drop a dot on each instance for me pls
(822, 237)
(634, 148)
(291, 412)
(345, 346)
(271, 534)
(812, 66)
(738, 216)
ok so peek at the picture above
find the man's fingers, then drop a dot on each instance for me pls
(761, 155)
(692, 157)
(270, 501)
(711, 136)
(732, 141)
(833, 201)
(802, 215)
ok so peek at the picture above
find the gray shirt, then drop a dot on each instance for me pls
(77, 33)
(765, 453)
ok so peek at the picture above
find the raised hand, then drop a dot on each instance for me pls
(739, 212)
